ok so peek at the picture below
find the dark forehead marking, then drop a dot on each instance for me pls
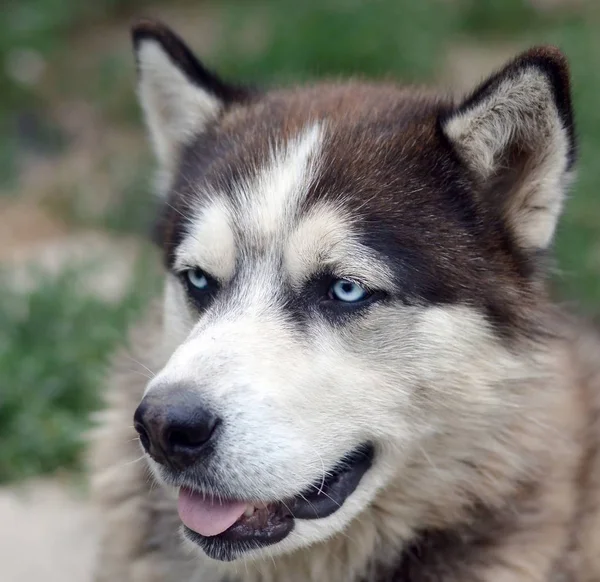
(412, 201)
(232, 149)
(386, 160)
(242, 142)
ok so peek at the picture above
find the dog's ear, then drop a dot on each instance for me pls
(179, 96)
(515, 133)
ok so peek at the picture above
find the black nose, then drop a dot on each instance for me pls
(174, 427)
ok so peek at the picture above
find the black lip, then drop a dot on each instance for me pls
(328, 496)
(320, 500)
(239, 538)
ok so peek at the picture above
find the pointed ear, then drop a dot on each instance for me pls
(516, 135)
(179, 96)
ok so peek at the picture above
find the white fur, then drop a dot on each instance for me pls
(264, 210)
(211, 243)
(175, 109)
(271, 198)
(325, 238)
(401, 378)
(521, 110)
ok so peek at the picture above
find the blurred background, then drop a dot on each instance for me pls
(76, 203)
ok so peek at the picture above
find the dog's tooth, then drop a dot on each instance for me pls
(249, 511)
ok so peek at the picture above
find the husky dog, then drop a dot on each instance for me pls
(357, 372)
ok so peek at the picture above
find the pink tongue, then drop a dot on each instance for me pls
(206, 515)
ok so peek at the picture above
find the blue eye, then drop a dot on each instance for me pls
(197, 279)
(348, 291)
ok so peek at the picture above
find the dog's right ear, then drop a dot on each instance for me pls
(179, 96)
(515, 133)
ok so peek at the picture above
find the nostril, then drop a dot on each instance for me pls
(174, 428)
(191, 437)
(180, 438)
(143, 434)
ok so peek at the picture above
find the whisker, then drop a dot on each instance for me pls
(142, 365)
(133, 462)
(141, 374)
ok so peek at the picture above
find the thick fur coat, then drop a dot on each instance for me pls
(356, 264)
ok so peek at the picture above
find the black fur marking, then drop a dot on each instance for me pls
(200, 298)
(183, 58)
(170, 228)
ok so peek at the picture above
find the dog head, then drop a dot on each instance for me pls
(352, 273)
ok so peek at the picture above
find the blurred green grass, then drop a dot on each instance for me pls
(54, 344)
(54, 340)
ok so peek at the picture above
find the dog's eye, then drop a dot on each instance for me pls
(197, 279)
(348, 291)
(200, 286)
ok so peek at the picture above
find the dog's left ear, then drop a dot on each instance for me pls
(515, 133)
(179, 96)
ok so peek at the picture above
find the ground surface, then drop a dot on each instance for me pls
(47, 532)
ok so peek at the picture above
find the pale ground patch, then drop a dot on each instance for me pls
(106, 263)
(48, 532)
(34, 241)
(24, 225)
(47, 529)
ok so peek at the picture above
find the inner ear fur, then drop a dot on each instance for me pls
(515, 133)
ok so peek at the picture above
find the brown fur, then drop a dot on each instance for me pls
(394, 129)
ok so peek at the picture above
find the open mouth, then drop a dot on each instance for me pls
(226, 528)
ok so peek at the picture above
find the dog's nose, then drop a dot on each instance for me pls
(174, 427)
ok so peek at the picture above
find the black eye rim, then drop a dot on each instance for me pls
(328, 301)
(200, 272)
(335, 280)
(195, 293)
(320, 292)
